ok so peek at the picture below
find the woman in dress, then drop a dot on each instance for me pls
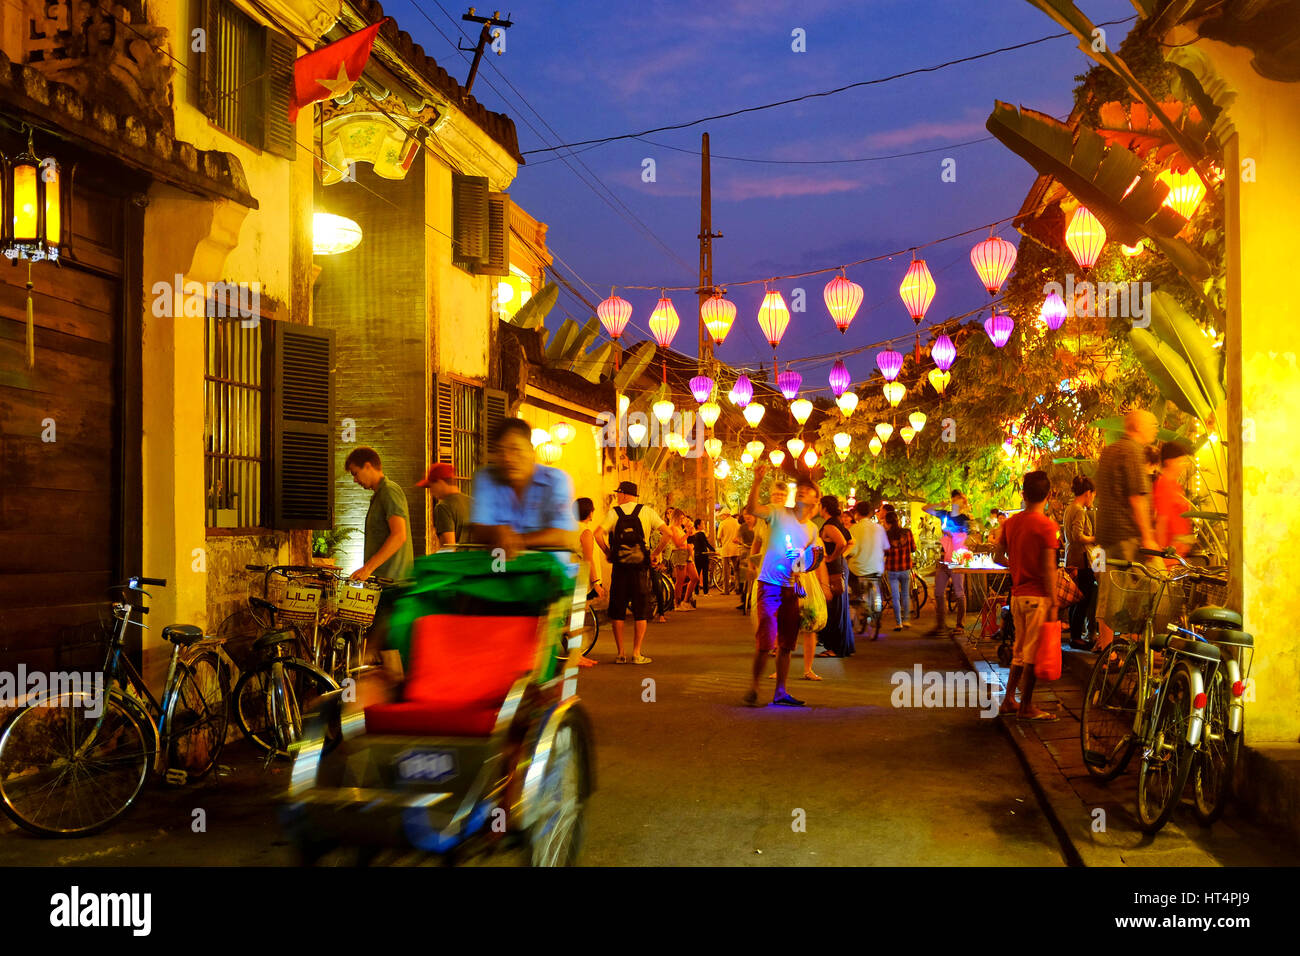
(585, 509)
(837, 635)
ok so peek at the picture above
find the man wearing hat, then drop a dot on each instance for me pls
(452, 509)
(623, 537)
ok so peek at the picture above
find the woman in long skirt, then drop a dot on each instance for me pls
(837, 635)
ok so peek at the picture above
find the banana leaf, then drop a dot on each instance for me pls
(591, 365)
(1170, 373)
(532, 314)
(1206, 515)
(561, 341)
(1176, 329)
(634, 364)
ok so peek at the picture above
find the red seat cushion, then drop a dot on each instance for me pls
(462, 667)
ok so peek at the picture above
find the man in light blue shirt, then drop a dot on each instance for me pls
(519, 504)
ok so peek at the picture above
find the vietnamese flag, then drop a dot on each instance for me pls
(331, 70)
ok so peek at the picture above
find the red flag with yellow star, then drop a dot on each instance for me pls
(331, 70)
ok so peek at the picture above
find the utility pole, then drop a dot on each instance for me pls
(484, 38)
(706, 237)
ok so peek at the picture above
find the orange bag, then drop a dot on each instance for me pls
(1047, 659)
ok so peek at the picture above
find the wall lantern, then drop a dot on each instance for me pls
(331, 234)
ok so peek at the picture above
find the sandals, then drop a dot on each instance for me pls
(811, 676)
(1041, 716)
(827, 654)
(640, 659)
(621, 659)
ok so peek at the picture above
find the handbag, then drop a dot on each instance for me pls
(1067, 591)
(1047, 659)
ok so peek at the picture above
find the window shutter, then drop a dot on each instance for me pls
(278, 132)
(444, 420)
(208, 60)
(494, 413)
(302, 485)
(498, 258)
(469, 220)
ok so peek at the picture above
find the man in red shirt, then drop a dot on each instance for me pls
(1028, 547)
(1168, 500)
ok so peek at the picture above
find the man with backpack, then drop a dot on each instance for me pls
(623, 537)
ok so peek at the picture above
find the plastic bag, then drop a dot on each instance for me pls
(1047, 658)
(812, 607)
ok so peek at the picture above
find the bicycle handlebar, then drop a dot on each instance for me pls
(152, 582)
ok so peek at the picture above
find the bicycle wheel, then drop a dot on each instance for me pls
(1109, 711)
(269, 712)
(920, 594)
(715, 570)
(1217, 755)
(1168, 757)
(556, 838)
(66, 773)
(198, 715)
(591, 625)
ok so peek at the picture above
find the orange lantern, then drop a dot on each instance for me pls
(917, 289)
(1085, 237)
(1185, 191)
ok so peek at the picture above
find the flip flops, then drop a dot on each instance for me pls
(1042, 716)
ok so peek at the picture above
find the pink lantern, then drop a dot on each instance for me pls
(843, 298)
(840, 379)
(890, 363)
(917, 289)
(943, 352)
(742, 392)
(701, 388)
(1053, 311)
(993, 259)
(614, 313)
(788, 382)
(999, 328)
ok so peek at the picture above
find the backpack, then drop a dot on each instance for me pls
(628, 545)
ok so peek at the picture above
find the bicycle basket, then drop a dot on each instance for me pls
(356, 602)
(1131, 602)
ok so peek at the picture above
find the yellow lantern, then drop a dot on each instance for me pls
(1132, 251)
(875, 446)
(917, 420)
(549, 452)
(884, 430)
(663, 410)
(1185, 191)
(847, 402)
(801, 408)
(754, 449)
(34, 188)
(753, 413)
(713, 447)
(636, 432)
(842, 442)
(895, 392)
(810, 458)
(331, 235)
(908, 433)
(747, 459)
(1085, 237)
(709, 413)
(562, 433)
(623, 403)
(842, 454)
(721, 470)
(776, 456)
(939, 379)
(796, 446)
(540, 437)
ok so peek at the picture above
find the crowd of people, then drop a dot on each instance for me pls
(796, 576)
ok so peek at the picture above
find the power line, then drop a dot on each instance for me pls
(808, 96)
(805, 162)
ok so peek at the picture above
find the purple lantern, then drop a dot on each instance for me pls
(743, 391)
(840, 379)
(890, 362)
(701, 388)
(1053, 312)
(788, 382)
(999, 328)
(943, 352)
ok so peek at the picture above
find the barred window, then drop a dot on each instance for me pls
(468, 404)
(233, 424)
(240, 53)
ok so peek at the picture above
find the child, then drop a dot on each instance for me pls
(1028, 547)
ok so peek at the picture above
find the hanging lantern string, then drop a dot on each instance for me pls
(839, 268)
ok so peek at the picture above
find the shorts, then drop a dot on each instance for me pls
(778, 617)
(682, 557)
(1126, 550)
(1029, 615)
(629, 586)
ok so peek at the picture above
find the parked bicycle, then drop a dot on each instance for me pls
(1150, 690)
(866, 606)
(920, 594)
(72, 763)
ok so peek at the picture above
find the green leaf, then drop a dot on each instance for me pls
(592, 365)
(1177, 329)
(1170, 373)
(634, 364)
(532, 314)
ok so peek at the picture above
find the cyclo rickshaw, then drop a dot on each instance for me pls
(486, 747)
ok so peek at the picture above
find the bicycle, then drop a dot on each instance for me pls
(1134, 699)
(661, 579)
(920, 594)
(64, 772)
(347, 621)
(867, 604)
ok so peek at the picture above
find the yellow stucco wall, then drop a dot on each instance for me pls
(1266, 116)
(580, 458)
(460, 314)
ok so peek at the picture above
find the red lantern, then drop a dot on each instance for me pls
(718, 314)
(917, 290)
(773, 317)
(993, 259)
(614, 313)
(843, 298)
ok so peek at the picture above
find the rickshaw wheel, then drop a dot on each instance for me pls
(556, 838)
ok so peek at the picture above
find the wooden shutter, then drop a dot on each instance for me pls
(469, 220)
(208, 61)
(302, 466)
(444, 420)
(495, 411)
(498, 258)
(278, 132)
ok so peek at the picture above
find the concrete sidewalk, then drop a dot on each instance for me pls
(1097, 822)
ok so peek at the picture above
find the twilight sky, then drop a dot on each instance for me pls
(601, 69)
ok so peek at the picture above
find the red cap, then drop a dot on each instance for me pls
(437, 472)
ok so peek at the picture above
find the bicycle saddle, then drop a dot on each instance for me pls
(272, 638)
(1212, 614)
(182, 634)
(1225, 635)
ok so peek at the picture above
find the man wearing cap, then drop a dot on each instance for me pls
(452, 509)
(631, 525)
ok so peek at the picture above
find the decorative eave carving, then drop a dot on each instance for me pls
(306, 18)
(357, 132)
